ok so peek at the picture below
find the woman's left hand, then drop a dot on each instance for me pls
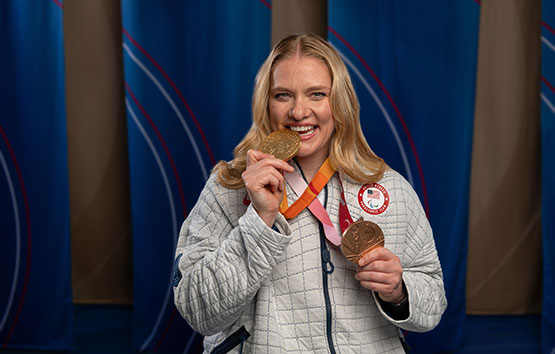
(380, 270)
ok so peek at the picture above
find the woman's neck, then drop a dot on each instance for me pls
(310, 165)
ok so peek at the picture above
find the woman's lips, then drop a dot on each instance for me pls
(305, 131)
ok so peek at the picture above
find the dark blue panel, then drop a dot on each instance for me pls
(35, 296)
(413, 65)
(548, 174)
(189, 73)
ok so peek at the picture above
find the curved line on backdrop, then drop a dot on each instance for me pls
(548, 43)
(548, 103)
(173, 214)
(59, 4)
(180, 187)
(266, 3)
(177, 91)
(17, 245)
(548, 27)
(398, 113)
(190, 342)
(29, 251)
(187, 130)
(172, 104)
(165, 330)
(548, 84)
(385, 114)
(164, 145)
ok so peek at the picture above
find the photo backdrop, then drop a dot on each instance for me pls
(189, 72)
(35, 295)
(413, 65)
(548, 173)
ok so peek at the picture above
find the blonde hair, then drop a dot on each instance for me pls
(349, 152)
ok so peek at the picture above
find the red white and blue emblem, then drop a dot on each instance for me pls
(373, 198)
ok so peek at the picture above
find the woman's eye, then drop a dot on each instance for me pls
(281, 96)
(319, 94)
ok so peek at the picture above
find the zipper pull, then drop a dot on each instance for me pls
(326, 259)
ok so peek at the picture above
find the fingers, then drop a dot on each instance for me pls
(380, 270)
(272, 179)
(265, 182)
(262, 176)
(254, 157)
(387, 292)
(381, 253)
(387, 285)
(380, 260)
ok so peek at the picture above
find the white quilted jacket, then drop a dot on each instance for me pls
(234, 271)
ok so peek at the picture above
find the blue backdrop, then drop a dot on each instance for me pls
(35, 290)
(413, 65)
(188, 105)
(548, 174)
(189, 73)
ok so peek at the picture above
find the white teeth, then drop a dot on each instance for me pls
(302, 129)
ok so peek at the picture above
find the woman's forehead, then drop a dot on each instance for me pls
(300, 68)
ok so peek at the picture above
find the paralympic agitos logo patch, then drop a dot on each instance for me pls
(373, 198)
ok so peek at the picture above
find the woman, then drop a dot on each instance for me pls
(252, 280)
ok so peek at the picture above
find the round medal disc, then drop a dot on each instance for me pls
(283, 144)
(360, 238)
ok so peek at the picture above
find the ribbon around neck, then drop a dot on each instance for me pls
(308, 194)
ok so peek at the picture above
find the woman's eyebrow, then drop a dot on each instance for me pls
(318, 88)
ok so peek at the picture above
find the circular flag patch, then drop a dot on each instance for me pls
(373, 198)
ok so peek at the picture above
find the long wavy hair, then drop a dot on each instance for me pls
(349, 152)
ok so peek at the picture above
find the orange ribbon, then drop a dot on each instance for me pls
(314, 188)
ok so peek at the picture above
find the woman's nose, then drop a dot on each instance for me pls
(299, 110)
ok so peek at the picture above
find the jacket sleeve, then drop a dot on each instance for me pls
(422, 272)
(220, 264)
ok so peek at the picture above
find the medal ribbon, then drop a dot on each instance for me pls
(308, 199)
(315, 186)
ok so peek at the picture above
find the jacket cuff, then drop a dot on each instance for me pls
(254, 225)
(397, 316)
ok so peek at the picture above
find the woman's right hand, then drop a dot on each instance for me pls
(264, 182)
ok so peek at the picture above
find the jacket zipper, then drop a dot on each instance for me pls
(327, 268)
(236, 338)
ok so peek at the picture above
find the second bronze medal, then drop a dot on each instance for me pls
(360, 238)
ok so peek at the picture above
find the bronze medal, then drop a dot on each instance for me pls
(283, 144)
(360, 238)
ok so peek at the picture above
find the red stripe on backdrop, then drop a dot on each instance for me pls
(28, 219)
(170, 158)
(166, 149)
(57, 2)
(174, 86)
(549, 28)
(266, 3)
(548, 84)
(166, 330)
(399, 115)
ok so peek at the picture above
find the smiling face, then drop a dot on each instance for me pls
(299, 100)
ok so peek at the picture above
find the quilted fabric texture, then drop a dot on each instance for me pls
(237, 272)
